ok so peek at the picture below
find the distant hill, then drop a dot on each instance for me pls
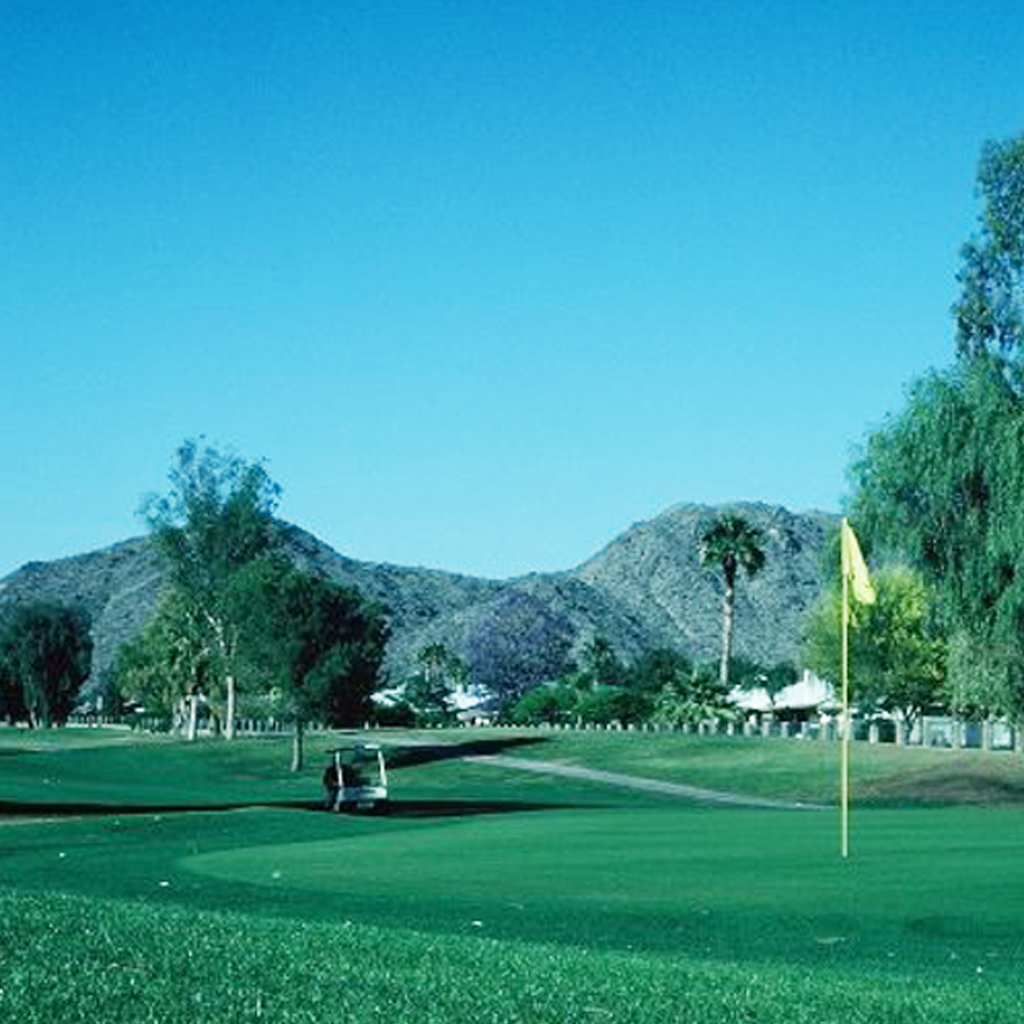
(646, 588)
(653, 570)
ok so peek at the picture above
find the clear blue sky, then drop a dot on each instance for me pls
(484, 282)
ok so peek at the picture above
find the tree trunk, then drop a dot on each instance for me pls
(193, 714)
(727, 619)
(227, 656)
(229, 713)
(905, 722)
(298, 735)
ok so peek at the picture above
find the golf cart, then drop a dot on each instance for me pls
(356, 778)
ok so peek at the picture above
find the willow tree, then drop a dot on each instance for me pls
(942, 483)
(942, 486)
(731, 543)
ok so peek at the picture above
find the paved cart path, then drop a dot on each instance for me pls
(694, 793)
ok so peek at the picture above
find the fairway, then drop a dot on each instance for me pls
(747, 885)
(924, 921)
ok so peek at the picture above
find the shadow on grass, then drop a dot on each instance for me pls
(464, 808)
(394, 808)
(38, 809)
(398, 756)
(402, 756)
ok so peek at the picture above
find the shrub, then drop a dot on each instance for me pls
(546, 705)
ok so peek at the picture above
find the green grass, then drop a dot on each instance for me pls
(122, 962)
(807, 770)
(739, 885)
(98, 766)
(169, 882)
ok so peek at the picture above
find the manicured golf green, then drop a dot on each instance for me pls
(491, 894)
(923, 886)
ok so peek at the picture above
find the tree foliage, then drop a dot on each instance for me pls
(216, 518)
(169, 669)
(440, 664)
(12, 697)
(600, 663)
(45, 657)
(690, 700)
(662, 685)
(429, 693)
(897, 647)
(988, 313)
(605, 705)
(557, 704)
(942, 484)
(314, 646)
(659, 667)
(603, 690)
(429, 700)
(745, 674)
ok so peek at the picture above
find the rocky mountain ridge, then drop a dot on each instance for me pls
(646, 588)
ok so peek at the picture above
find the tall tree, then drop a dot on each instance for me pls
(318, 646)
(216, 518)
(731, 543)
(989, 314)
(942, 483)
(45, 657)
(942, 486)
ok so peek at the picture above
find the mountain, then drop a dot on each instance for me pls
(654, 570)
(646, 588)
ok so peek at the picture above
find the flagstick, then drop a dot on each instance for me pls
(844, 784)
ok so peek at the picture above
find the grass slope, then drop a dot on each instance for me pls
(120, 962)
(882, 774)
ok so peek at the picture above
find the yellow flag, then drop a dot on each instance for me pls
(854, 568)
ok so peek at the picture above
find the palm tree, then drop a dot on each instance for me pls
(731, 542)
